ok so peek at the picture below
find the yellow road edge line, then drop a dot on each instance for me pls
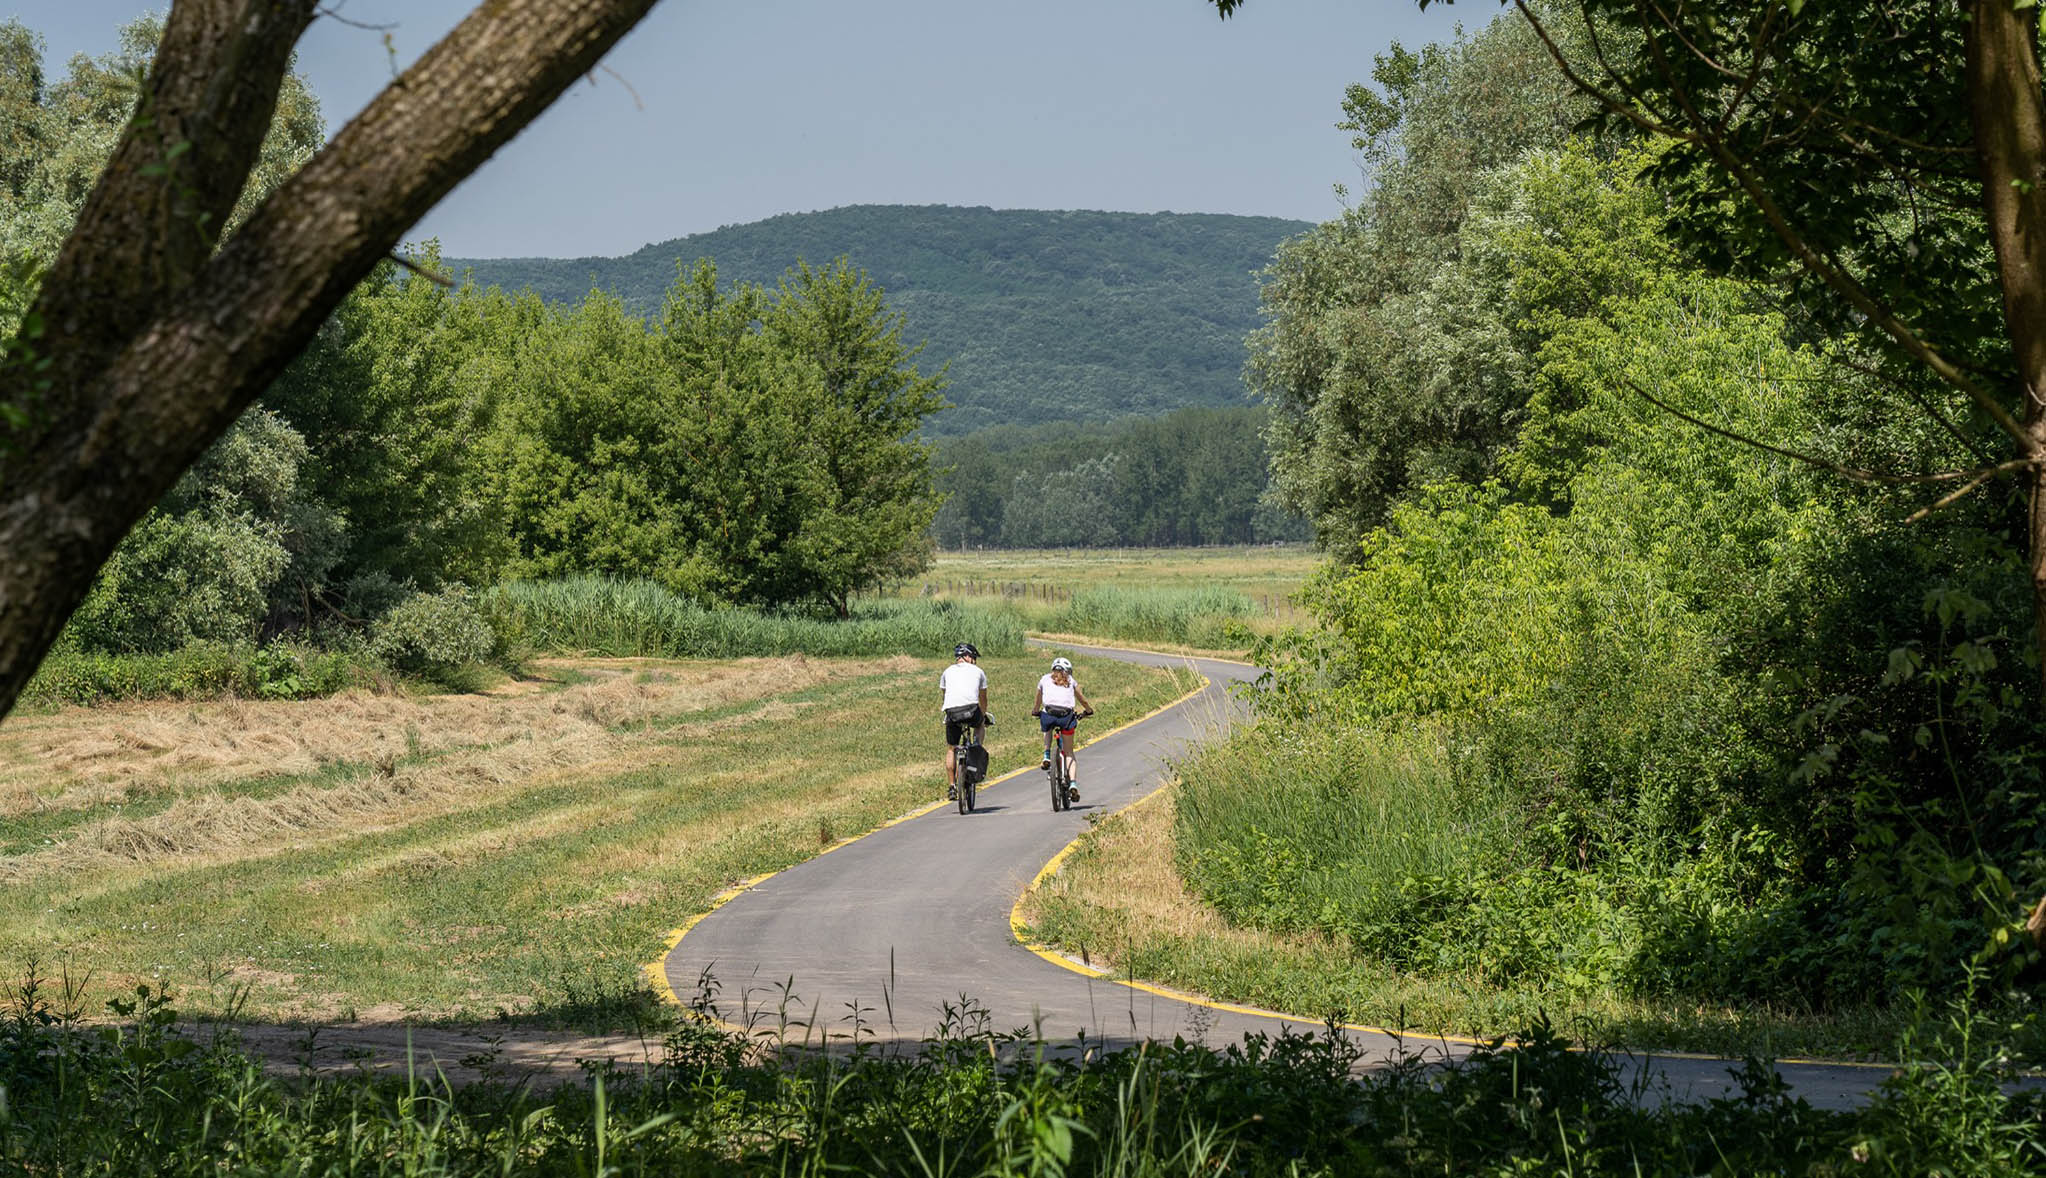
(656, 972)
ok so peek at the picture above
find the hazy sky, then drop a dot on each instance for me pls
(755, 107)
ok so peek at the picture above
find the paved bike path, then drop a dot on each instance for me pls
(878, 938)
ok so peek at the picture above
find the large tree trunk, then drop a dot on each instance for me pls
(144, 344)
(2008, 115)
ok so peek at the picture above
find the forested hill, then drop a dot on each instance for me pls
(1074, 316)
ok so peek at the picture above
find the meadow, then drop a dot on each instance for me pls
(1216, 600)
(394, 855)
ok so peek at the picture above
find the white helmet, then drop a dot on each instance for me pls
(1062, 664)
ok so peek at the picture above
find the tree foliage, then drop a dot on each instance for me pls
(1753, 717)
(754, 447)
(1389, 356)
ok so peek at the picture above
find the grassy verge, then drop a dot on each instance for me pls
(1121, 901)
(149, 1103)
(455, 856)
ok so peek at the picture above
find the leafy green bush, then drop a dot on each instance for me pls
(202, 563)
(433, 634)
(201, 670)
(638, 618)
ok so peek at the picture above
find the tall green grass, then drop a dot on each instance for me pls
(1203, 616)
(640, 619)
(1341, 831)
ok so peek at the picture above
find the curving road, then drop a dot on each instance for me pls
(879, 938)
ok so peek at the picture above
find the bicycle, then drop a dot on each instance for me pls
(969, 764)
(1060, 771)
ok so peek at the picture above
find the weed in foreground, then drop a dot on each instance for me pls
(142, 1099)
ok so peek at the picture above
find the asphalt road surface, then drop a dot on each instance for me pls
(892, 936)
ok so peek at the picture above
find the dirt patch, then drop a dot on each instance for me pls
(461, 1055)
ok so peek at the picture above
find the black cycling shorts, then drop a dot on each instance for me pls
(959, 719)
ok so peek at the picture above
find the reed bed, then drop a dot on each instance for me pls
(1202, 616)
(617, 618)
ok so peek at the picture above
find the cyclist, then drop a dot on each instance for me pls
(965, 687)
(1059, 706)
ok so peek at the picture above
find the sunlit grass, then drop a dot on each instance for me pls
(1204, 599)
(454, 856)
(1121, 901)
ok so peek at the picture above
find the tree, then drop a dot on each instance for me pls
(749, 449)
(1387, 356)
(1881, 166)
(148, 334)
(1886, 163)
(396, 395)
(877, 495)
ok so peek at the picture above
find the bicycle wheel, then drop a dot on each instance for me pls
(965, 791)
(966, 794)
(1059, 799)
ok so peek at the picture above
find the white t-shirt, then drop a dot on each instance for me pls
(963, 683)
(1056, 698)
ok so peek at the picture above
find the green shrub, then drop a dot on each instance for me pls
(201, 670)
(638, 618)
(433, 634)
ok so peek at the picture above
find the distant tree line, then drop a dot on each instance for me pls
(1196, 476)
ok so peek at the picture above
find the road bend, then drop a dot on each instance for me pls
(905, 932)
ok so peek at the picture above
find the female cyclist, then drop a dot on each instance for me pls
(1059, 706)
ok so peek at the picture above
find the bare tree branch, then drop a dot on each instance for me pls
(1849, 472)
(1953, 497)
(433, 276)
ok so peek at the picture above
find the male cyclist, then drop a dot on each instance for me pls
(1059, 706)
(965, 687)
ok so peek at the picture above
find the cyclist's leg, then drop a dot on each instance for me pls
(951, 757)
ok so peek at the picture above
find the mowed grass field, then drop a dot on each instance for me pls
(453, 857)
